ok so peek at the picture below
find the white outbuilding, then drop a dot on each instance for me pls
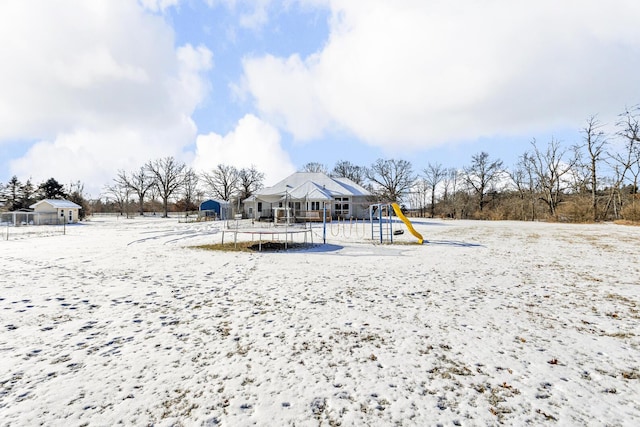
(59, 210)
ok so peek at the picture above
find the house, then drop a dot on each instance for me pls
(305, 196)
(214, 209)
(56, 210)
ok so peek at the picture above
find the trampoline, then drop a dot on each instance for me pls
(273, 232)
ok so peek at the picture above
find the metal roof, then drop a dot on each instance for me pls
(304, 184)
(58, 204)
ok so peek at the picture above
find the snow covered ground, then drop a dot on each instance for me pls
(121, 321)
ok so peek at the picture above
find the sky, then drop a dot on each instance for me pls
(90, 88)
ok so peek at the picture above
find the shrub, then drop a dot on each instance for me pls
(631, 212)
(577, 209)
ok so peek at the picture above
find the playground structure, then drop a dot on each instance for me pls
(382, 223)
(406, 221)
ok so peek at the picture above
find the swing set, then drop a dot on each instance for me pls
(382, 224)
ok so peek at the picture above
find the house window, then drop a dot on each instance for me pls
(315, 206)
(259, 206)
(341, 206)
(70, 215)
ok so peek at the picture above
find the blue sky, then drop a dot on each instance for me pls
(89, 88)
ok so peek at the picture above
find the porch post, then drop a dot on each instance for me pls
(324, 223)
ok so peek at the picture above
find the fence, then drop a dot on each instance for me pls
(147, 214)
(20, 225)
(9, 232)
(18, 219)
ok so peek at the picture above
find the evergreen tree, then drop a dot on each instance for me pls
(14, 193)
(28, 194)
(3, 198)
(52, 189)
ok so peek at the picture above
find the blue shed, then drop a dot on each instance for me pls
(214, 208)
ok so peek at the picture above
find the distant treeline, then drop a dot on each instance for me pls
(593, 179)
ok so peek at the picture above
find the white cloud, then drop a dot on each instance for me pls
(252, 143)
(257, 17)
(291, 102)
(93, 157)
(92, 67)
(72, 64)
(411, 73)
(100, 84)
(189, 87)
(253, 14)
(159, 5)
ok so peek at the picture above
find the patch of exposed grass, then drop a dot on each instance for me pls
(627, 222)
(227, 247)
(400, 243)
(265, 246)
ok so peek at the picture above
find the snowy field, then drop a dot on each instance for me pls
(122, 322)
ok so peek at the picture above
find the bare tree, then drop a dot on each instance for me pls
(630, 132)
(523, 179)
(346, 169)
(315, 167)
(595, 143)
(391, 179)
(222, 182)
(250, 180)
(76, 195)
(168, 176)
(433, 175)
(120, 193)
(153, 198)
(482, 175)
(450, 188)
(419, 195)
(550, 168)
(139, 182)
(190, 190)
(628, 163)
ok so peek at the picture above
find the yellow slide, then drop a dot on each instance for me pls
(406, 221)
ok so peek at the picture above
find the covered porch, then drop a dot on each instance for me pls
(288, 208)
